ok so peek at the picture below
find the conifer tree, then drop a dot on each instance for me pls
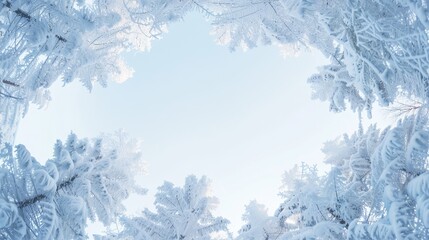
(43, 41)
(182, 213)
(86, 180)
(376, 189)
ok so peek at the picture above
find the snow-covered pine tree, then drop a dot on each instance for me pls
(378, 49)
(309, 210)
(377, 188)
(396, 194)
(259, 225)
(42, 41)
(86, 180)
(182, 213)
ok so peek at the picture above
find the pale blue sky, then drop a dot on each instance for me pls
(240, 118)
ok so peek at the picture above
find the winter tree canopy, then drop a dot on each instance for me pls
(378, 184)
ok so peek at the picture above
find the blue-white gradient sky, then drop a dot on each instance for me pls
(240, 118)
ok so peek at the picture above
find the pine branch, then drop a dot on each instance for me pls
(67, 182)
(31, 201)
(10, 83)
(40, 197)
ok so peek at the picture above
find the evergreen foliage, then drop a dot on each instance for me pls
(181, 214)
(85, 180)
(377, 187)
